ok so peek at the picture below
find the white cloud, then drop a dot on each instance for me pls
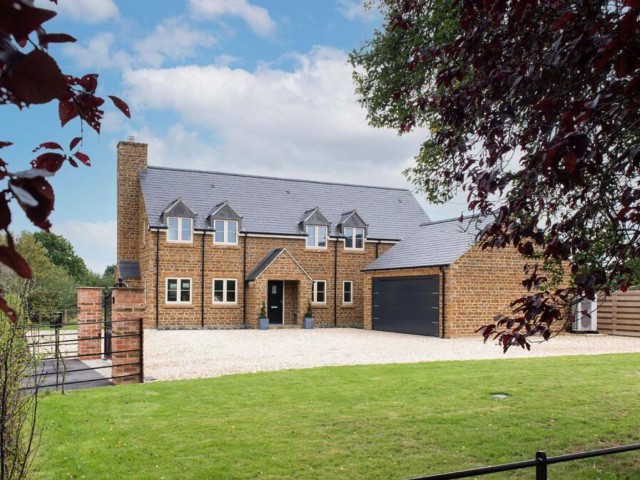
(172, 39)
(98, 52)
(89, 11)
(94, 242)
(175, 146)
(257, 18)
(356, 10)
(304, 123)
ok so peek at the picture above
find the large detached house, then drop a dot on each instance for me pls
(209, 248)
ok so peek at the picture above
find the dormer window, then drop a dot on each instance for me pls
(226, 232)
(354, 230)
(316, 236)
(225, 221)
(179, 229)
(353, 238)
(178, 217)
(316, 226)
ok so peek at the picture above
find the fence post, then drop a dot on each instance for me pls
(541, 467)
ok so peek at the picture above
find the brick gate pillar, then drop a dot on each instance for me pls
(127, 311)
(90, 323)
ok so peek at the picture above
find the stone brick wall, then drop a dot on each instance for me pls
(184, 260)
(90, 323)
(126, 341)
(480, 285)
(132, 157)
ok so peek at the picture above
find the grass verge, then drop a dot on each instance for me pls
(377, 422)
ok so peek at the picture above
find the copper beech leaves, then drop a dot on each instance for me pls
(31, 76)
(19, 18)
(36, 79)
(533, 110)
(36, 197)
(122, 106)
(14, 260)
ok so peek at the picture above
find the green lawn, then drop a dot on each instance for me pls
(364, 422)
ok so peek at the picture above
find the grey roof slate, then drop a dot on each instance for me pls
(430, 245)
(274, 205)
(264, 264)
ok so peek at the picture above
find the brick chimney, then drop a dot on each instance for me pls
(132, 158)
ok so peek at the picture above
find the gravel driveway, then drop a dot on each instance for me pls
(178, 354)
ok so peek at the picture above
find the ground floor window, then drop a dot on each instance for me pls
(178, 290)
(224, 290)
(347, 292)
(319, 291)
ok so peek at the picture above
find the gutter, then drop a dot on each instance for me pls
(157, 277)
(403, 268)
(444, 302)
(335, 284)
(244, 283)
(202, 285)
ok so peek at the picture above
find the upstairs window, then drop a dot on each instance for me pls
(224, 290)
(178, 290)
(316, 236)
(226, 232)
(319, 291)
(180, 229)
(353, 238)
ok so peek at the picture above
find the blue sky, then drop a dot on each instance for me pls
(248, 86)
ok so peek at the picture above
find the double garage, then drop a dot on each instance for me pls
(437, 282)
(406, 304)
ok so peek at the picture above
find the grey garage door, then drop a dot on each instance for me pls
(407, 305)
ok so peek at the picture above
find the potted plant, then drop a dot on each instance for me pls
(263, 319)
(307, 321)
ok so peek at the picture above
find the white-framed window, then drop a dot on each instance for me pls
(316, 236)
(347, 292)
(225, 290)
(178, 290)
(226, 232)
(180, 229)
(319, 291)
(353, 238)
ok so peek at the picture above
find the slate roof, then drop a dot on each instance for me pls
(264, 264)
(267, 261)
(432, 244)
(274, 205)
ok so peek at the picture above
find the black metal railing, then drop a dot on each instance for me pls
(540, 464)
(59, 363)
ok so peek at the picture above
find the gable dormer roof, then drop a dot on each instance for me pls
(223, 211)
(178, 208)
(351, 219)
(313, 217)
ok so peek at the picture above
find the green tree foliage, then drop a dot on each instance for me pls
(49, 289)
(533, 109)
(61, 253)
(110, 272)
(18, 409)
